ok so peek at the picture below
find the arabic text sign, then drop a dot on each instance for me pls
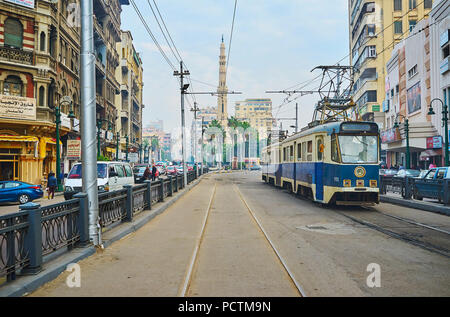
(15, 107)
(25, 3)
(74, 149)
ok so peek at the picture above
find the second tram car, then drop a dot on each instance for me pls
(334, 163)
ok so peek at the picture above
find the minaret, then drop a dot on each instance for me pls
(222, 113)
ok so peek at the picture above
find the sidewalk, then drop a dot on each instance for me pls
(431, 205)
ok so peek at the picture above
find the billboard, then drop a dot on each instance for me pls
(434, 142)
(391, 135)
(413, 97)
(16, 107)
(24, 3)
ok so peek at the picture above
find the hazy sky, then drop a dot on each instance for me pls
(275, 45)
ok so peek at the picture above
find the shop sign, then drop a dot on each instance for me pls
(65, 121)
(375, 108)
(74, 149)
(24, 3)
(76, 125)
(434, 142)
(16, 107)
(133, 157)
(391, 135)
(109, 135)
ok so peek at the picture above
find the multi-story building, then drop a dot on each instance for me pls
(257, 112)
(375, 27)
(39, 64)
(107, 34)
(204, 116)
(408, 94)
(130, 78)
(440, 58)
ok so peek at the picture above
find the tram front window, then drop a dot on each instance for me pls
(358, 148)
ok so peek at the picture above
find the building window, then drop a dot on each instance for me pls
(412, 4)
(13, 33)
(398, 27)
(397, 5)
(372, 51)
(428, 4)
(412, 72)
(12, 86)
(42, 42)
(41, 96)
(412, 24)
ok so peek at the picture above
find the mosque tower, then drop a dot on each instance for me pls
(222, 113)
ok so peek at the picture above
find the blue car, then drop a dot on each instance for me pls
(22, 192)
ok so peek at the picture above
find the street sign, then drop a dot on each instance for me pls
(73, 149)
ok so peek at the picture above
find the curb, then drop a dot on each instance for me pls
(52, 269)
(443, 210)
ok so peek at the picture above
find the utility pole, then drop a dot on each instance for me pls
(203, 131)
(183, 88)
(296, 117)
(88, 112)
(195, 110)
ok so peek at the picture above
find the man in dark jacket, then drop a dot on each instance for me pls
(147, 173)
(154, 170)
(51, 184)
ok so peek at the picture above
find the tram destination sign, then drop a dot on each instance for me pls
(16, 107)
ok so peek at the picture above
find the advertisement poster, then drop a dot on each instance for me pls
(74, 149)
(391, 135)
(434, 142)
(24, 3)
(413, 97)
(16, 107)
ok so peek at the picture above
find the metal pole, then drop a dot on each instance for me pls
(58, 154)
(88, 110)
(445, 119)
(183, 137)
(126, 148)
(117, 145)
(296, 117)
(202, 145)
(195, 136)
(408, 154)
(98, 139)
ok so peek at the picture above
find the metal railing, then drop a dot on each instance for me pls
(34, 232)
(417, 188)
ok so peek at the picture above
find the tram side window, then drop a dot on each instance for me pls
(284, 155)
(304, 151)
(334, 149)
(291, 153)
(319, 150)
(310, 151)
(299, 152)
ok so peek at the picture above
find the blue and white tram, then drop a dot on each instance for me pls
(334, 163)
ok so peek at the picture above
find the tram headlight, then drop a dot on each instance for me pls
(359, 183)
(373, 183)
(347, 183)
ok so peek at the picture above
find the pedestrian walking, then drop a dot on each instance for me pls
(154, 170)
(147, 173)
(51, 184)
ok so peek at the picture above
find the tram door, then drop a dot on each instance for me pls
(279, 168)
(319, 168)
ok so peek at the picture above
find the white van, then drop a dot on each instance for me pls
(110, 176)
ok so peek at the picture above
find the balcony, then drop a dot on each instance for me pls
(17, 55)
(124, 114)
(100, 100)
(100, 66)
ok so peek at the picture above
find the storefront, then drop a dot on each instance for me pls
(433, 153)
(16, 153)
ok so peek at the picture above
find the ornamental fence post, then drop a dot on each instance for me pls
(129, 202)
(83, 219)
(148, 193)
(170, 186)
(33, 239)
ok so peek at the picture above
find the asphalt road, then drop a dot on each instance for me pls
(326, 253)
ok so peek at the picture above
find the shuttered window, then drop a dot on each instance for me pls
(13, 33)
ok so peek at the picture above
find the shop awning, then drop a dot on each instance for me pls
(18, 138)
(43, 145)
(111, 150)
(428, 153)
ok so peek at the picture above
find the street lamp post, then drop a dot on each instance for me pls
(117, 145)
(444, 123)
(406, 127)
(126, 148)
(64, 100)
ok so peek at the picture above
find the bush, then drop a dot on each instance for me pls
(102, 158)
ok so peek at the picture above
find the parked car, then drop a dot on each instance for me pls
(422, 174)
(408, 173)
(190, 167)
(139, 170)
(179, 169)
(429, 186)
(11, 191)
(110, 176)
(171, 170)
(255, 167)
(161, 170)
(388, 172)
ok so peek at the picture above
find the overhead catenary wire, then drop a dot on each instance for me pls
(231, 35)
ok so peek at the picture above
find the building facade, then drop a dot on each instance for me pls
(130, 100)
(375, 27)
(257, 112)
(39, 65)
(408, 94)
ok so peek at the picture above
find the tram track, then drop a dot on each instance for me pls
(424, 236)
(194, 266)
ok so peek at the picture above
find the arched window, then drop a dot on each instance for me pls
(42, 42)
(41, 96)
(12, 86)
(51, 95)
(13, 33)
